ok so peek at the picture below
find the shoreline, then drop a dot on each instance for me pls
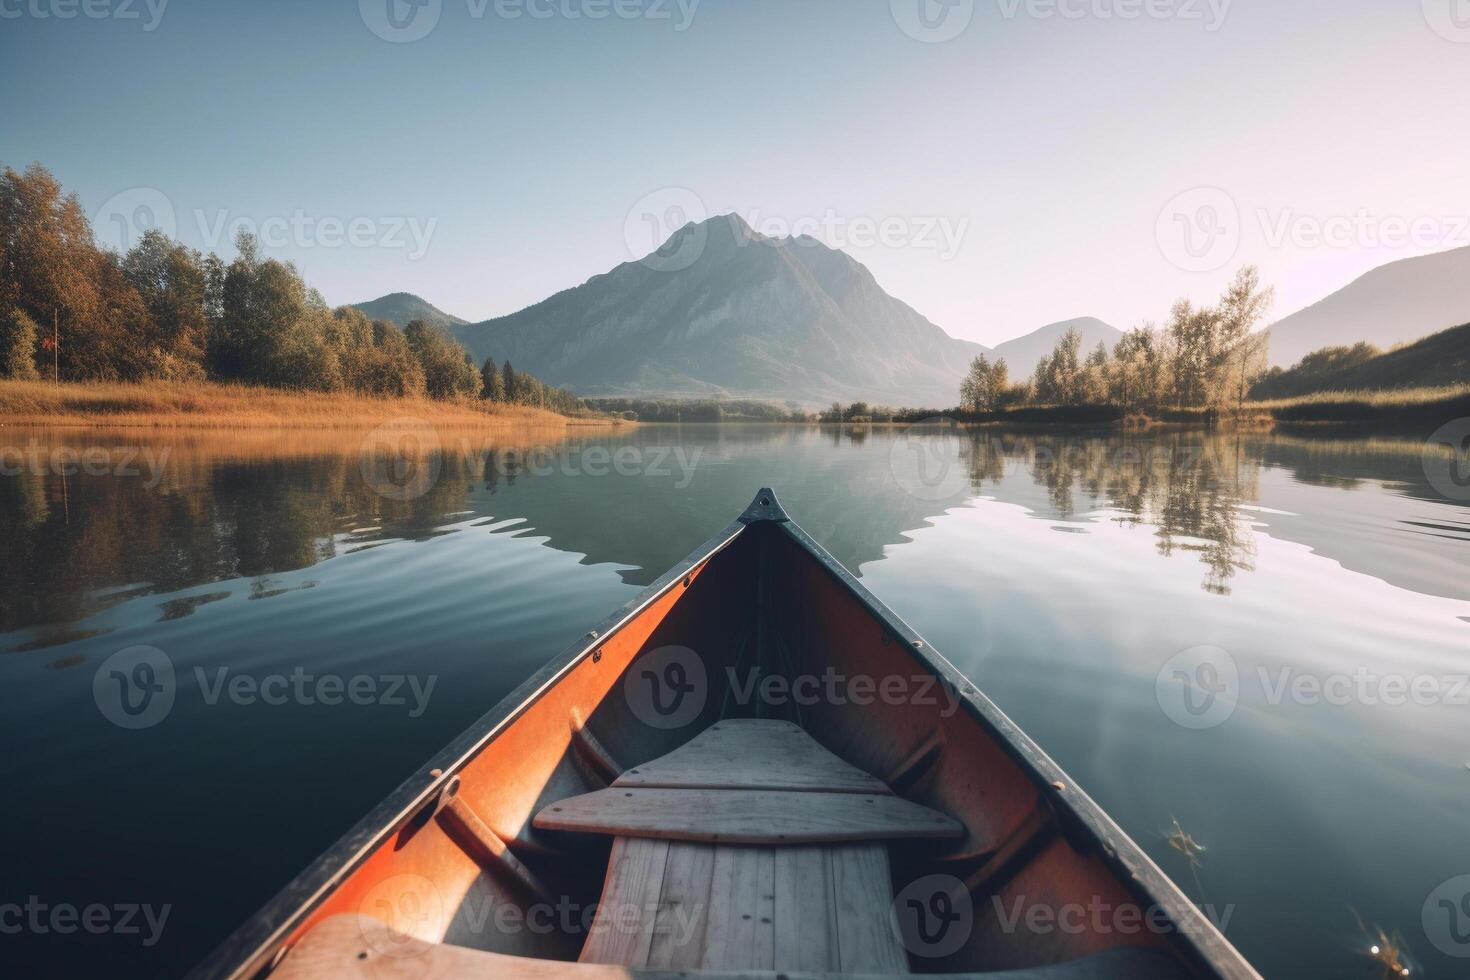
(210, 405)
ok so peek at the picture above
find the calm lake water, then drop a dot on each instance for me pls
(1064, 574)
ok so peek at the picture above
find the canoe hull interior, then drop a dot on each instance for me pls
(759, 622)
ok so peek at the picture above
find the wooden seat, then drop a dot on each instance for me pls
(747, 816)
(753, 754)
(751, 847)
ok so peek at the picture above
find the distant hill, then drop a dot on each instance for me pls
(1399, 302)
(403, 308)
(1022, 353)
(732, 313)
(1440, 359)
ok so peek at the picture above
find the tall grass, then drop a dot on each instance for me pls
(1407, 404)
(211, 405)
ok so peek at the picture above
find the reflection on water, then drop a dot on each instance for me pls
(1059, 571)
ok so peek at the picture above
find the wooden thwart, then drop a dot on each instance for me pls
(753, 754)
(747, 816)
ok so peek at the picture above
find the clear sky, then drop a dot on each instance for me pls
(1027, 169)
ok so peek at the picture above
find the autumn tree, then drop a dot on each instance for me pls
(17, 345)
(447, 374)
(50, 263)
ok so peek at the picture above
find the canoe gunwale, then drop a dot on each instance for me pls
(255, 944)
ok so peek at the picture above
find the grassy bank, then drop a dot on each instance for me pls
(1405, 405)
(1408, 406)
(209, 405)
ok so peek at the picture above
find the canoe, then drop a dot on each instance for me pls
(754, 768)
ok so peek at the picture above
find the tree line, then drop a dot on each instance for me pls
(1203, 357)
(72, 311)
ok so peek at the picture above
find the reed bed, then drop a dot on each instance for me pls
(211, 405)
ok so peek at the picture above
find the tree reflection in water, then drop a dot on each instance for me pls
(1188, 486)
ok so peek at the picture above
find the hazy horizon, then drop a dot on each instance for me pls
(1041, 164)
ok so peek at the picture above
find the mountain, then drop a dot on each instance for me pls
(1393, 304)
(1022, 353)
(1440, 359)
(402, 308)
(720, 310)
